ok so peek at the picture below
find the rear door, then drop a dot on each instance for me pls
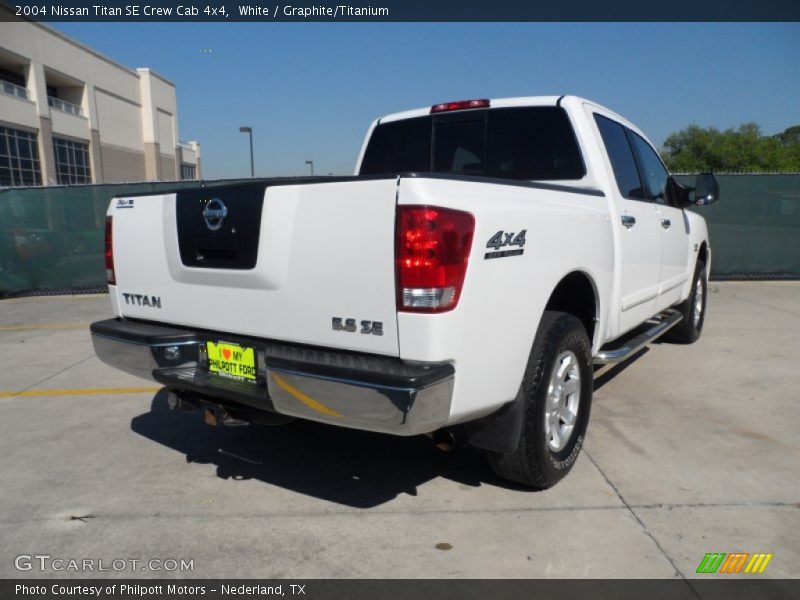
(276, 260)
(640, 248)
(674, 230)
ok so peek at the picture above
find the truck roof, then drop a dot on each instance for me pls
(568, 101)
(516, 101)
(494, 103)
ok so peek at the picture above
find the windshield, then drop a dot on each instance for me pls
(510, 143)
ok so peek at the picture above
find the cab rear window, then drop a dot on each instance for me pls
(536, 143)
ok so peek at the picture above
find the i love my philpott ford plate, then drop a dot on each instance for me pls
(231, 360)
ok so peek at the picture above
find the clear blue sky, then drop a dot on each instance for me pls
(310, 90)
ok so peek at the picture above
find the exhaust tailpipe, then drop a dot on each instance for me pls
(179, 402)
(216, 415)
(444, 440)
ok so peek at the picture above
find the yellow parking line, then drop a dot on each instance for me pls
(31, 326)
(53, 297)
(80, 392)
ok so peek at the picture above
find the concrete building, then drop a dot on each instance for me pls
(69, 115)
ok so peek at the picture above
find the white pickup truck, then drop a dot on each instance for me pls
(462, 284)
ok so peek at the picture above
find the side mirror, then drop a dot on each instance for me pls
(679, 195)
(706, 190)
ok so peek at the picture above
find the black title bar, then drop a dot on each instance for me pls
(399, 10)
(730, 588)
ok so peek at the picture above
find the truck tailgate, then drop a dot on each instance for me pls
(278, 261)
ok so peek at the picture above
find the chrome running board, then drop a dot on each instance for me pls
(660, 324)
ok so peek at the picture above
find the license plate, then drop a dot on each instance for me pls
(231, 360)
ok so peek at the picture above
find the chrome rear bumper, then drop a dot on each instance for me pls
(361, 391)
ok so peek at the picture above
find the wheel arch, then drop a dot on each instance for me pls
(703, 254)
(576, 293)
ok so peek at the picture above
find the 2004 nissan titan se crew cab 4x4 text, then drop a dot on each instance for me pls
(463, 283)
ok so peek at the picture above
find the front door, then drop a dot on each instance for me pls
(673, 224)
(639, 229)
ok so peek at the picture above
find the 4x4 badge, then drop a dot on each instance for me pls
(504, 238)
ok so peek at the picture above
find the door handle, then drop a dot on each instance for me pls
(628, 221)
(665, 223)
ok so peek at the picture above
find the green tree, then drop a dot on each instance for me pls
(790, 136)
(697, 149)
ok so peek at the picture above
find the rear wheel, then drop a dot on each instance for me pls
(557, 395)
(693, 310)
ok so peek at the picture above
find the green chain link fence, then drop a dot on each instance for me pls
(51, 238)
(754, 229)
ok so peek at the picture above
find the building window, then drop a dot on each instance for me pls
(188, 171)
(19, 158)
(12, 83)
(12, 77)
(72, 162)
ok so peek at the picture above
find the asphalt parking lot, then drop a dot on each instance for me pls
(690, 449)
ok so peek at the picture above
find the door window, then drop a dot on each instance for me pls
(621, 156)
(655, 175)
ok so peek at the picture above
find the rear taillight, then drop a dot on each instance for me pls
(110, 275)
(431, 255)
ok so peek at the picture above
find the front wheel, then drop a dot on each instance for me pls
(557, 395)
(693, 310)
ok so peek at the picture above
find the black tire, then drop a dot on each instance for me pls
(534, 462)
(689, 329)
